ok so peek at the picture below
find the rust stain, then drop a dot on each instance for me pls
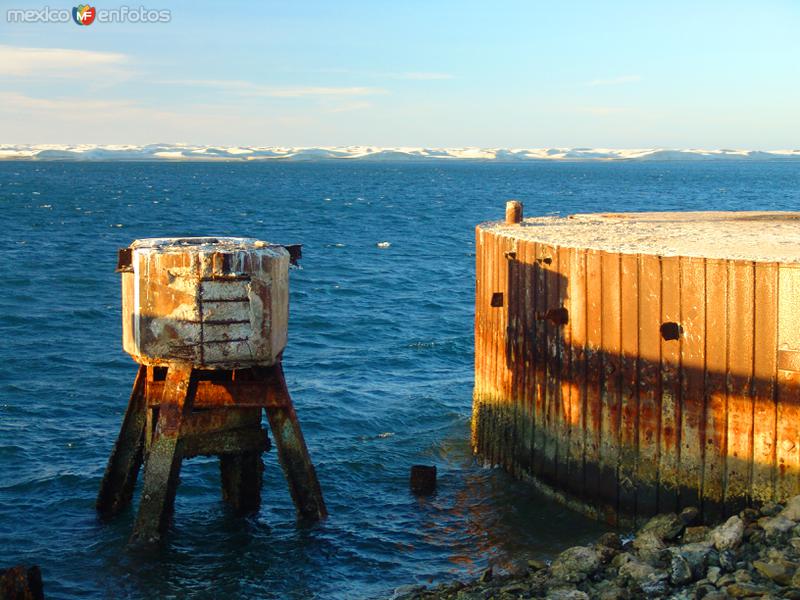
(579, 384)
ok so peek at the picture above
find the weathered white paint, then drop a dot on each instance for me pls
(214, 302)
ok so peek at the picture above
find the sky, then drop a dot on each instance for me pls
(435, 73)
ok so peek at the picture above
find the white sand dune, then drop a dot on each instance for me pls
(187, 152)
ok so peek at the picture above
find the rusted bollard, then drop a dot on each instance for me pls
(206, 319)
(21, 583)
(513, 212)
(423, 480)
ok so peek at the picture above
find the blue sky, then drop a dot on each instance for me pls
(413, 73)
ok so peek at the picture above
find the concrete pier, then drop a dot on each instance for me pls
(637, 363)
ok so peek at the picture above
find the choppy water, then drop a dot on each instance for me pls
(379, 363)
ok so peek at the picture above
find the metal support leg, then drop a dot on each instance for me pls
(241, 480)
(123, 466)
(163, 465)
(292, 451)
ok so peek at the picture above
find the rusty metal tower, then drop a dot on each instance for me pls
(206, 319)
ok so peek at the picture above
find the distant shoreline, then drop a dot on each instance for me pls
(194, 153)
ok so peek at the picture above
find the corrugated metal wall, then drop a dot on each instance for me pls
(579, 382)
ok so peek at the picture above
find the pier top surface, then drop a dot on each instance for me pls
(747, 235)
(203, 244)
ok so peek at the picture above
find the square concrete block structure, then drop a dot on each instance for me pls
(636, 363)
(206, 319)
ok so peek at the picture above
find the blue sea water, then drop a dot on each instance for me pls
(379, 363)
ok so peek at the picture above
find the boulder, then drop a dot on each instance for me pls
(792, 509)
(575, 564)
(728, 535)
(649, 546)
(667, 526)
(679, 570)
(780, 572)
(776, 525)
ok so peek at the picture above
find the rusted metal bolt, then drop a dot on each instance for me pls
(513, 212)
(423, 480)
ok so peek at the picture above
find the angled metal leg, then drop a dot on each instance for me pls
(123, 466)
(292, 451)
(163, 465)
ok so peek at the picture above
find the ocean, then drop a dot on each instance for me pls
(379, 364)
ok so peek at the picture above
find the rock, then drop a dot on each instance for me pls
(791, 594)
(536, 565)
(575, 564)
(745, 590)
(791, 509)
(695, 534)
(742, 576)
(567, 594)
(795, 543)
(796, 580)
(727, 561)
(725, 580)
(780, 572)
(647, 578)
(715, 595)
(689, 515)
(610, 540)
(770, 509)
(649, 546)
(776, 525)
(513, 588)
(749, 515)
(728, 535)
(407, 592)
(713, 574)
(696, 556)
(679, 570)
(666, 526)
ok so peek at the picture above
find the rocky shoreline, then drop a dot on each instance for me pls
(754, 554)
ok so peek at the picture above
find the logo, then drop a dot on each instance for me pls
(83, 14)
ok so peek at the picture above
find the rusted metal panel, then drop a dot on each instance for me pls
(693, 345)
(787, 446)
(212, 302)
(629, 398)
(716, 393)
(741, 328)
(611, 343)
(576, 301)
(649, 375)
(516, 367)
(540, 358)
(764, 372)
(641, 383)
(563, 325)
(525, 414)
(481, 351)
(549, 262)
(669, 451)
(594, 348)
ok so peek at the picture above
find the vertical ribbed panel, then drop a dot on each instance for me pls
(578, 384)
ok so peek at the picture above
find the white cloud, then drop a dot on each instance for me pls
(422, 76)
(59, 62)
(622, 79)
(248, 88)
